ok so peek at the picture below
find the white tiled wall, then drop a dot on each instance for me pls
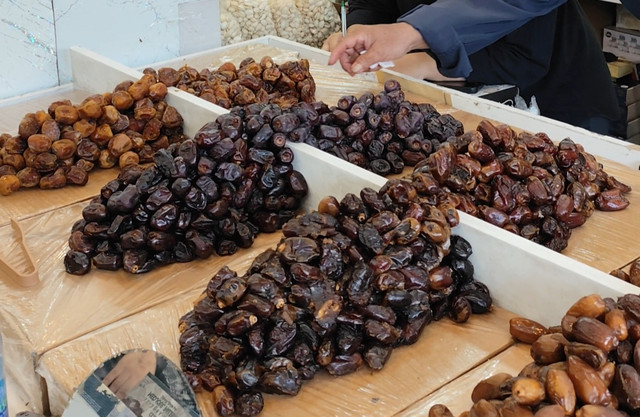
(35, 35)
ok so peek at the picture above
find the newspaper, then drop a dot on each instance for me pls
(163, 394)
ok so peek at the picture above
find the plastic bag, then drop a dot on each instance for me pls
(321, 19)
(255, 17)
(288, 20)
(520, 103)
(230, 28)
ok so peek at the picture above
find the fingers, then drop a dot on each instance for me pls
(382, 43)
(122, 385)
(368, 61)
(111, 376)
(129, 371)
(331, 42)
(359, 51)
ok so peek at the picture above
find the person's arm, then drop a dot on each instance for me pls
(452, 29)
(455, 29)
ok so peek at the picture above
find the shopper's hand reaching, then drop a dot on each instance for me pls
(129, 371)
(366, 45)
(331, 42)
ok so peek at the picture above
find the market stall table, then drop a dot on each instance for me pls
(64, 308)
(444, 351)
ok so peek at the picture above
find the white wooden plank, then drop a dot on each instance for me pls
(329, 175)
(96, 73)
(195, 111)
(529, 279)
(305, 51)
(601, 145)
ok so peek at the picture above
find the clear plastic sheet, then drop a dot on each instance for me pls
(64, 307)
(444, 351)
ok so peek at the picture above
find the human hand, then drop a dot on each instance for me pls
(129, 371)
(332, 41)
(366, 45)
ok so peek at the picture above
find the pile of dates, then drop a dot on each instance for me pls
(345, 285)
(523, 182)
(587, 366)
(63, 144)
(251, 82)
(381, 133)
(210, 194)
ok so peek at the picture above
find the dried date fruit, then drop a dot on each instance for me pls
(336, 293)
(198, 198)
(93, 131)
(528, 391)
(592, 331)
(491, 388)
(9, 184)
(526, 330)
(591, 381)
(77, 263)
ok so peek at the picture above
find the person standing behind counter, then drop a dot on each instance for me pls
(548, 49)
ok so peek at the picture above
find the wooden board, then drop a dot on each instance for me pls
(456, 395)
(444, 351)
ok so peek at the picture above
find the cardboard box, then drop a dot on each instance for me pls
(633, 128)
(625, 19)
(626, 129)
(619, 69)
(628, 93)
(623, 43)
(633, 111)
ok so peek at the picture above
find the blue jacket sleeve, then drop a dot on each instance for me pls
(455, 29)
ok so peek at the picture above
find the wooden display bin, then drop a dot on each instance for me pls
(64, 310)
(606, 241)
(525, 279)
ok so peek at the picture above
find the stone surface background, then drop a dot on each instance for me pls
(36, 35)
